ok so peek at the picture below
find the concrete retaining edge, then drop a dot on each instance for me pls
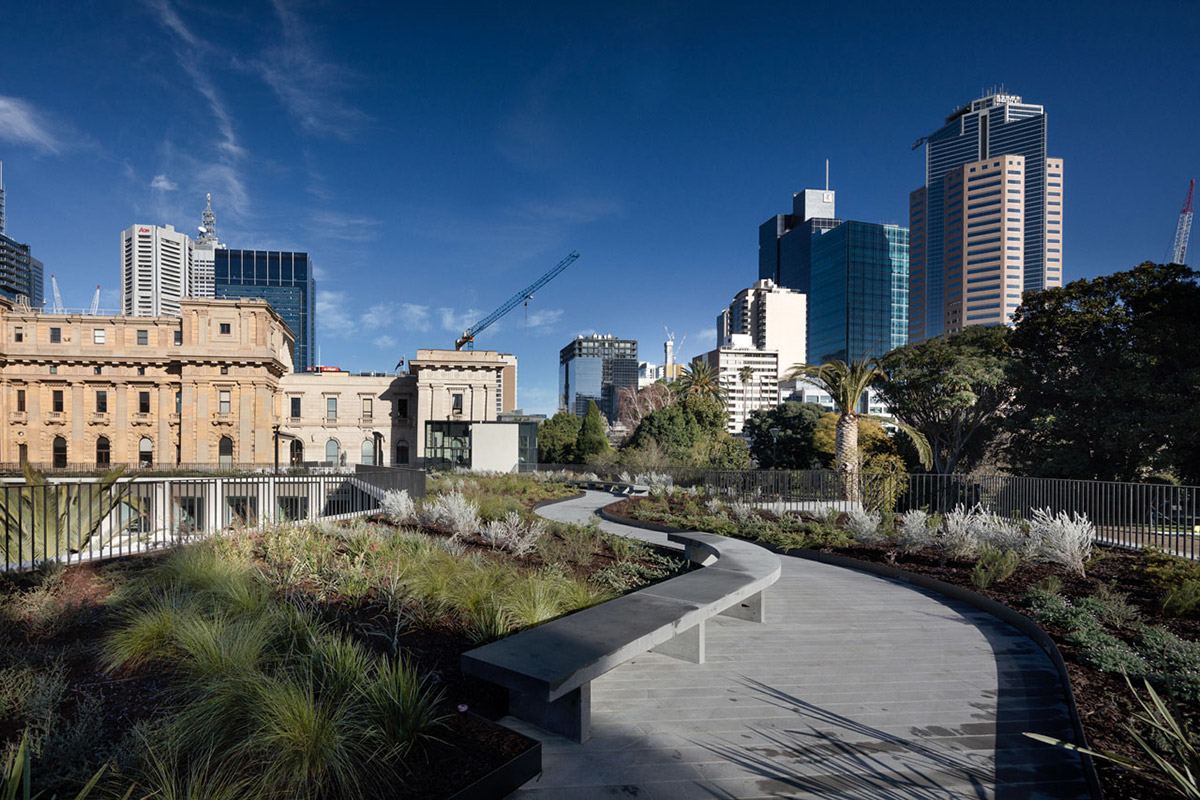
(509, 776)
(1002, 612)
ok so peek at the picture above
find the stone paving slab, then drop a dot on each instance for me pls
(856, 687)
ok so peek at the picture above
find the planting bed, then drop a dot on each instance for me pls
(375, 593)
(1103, 699)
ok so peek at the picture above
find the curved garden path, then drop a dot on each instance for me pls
(856, 687)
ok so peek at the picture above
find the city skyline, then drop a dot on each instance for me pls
(397, 173)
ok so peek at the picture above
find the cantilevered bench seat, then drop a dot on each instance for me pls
(548, 670)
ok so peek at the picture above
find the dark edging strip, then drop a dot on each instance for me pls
(986, 604)
(509, 776)
(553, 500)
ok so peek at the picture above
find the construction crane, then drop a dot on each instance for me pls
(57, 308)
(95, 309)
(523, 296)
(1184, 230)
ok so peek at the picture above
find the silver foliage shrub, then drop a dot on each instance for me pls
(1005, 534)
(913, 532)
(959, 535)
(714, 507)
(864, 526)
(451, 512)
(741, 512)
(513, 535)
(1062, 538)
(399, 507)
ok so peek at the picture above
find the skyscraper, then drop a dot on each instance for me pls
(858, 306)
(204, 253)
(284, 279)
(973, 138)
(785, 240)
(2, 221)
(596, 367)
(773, 317)
(156, 266)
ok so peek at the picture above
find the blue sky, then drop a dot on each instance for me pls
(435, 160)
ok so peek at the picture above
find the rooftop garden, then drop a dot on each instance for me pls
(307, 660)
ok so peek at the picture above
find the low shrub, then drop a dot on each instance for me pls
(1111, 608)
(1177, 581)
(399, 508)
(1174, 662)
(452, 513)
(958, 536)
(513, 534)
(913, 533)
(1182, 600)
(864, 526)
(1062, 539)
(994, 566)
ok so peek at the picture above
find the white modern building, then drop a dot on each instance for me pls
(773, 317)
(806, 391)
(748, 377)
(156, 266)
(201, 282)
(649, 373)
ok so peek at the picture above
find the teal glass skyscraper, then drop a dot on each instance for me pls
(283, 279)
(858, 304)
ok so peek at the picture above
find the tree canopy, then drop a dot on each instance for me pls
(691, 432)
(556, 438)
(791, 447)
(1106, 376)
(593, 439)
(951, 389)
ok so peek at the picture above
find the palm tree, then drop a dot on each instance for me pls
(845, 383)
(745, 375)
(699, 378)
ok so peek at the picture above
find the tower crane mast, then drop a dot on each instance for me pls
(95, 309)
(1183, 230)
(523, 296)
(57, 308)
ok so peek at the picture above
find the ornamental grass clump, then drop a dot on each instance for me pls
(1062, 538)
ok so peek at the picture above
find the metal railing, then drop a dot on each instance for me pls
(1125, 514)
(72, 519)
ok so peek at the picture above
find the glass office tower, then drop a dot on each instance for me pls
(284, 280)
(785, 240)
(595, 368)
(20, 273)
(858, 306)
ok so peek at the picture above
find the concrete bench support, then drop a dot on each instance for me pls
(753, 608)
(569, 716)
(686, 645)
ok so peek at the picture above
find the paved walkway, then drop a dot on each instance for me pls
(857, 687)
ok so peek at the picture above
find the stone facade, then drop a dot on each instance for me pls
(201, 388)
(462, 386)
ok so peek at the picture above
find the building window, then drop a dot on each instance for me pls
(56, 400)
(331, 409)
(103, 452)
(18, 334)
(368, 452)
(368, 408)
(402, 408)
(456, 403)
(22, 454)
(21, 400)
(141, 370)
(178, 403)
(145, 452)
(101, 401)
(296, 453)
(143, 337)
(295, 408)
(54, 369)
(98, 336)
(55, 335)
(225, 452)
(178, 338)
(401, 454)
(143, 402)
(332, 452)
(224, 369)
(226, 329)
(60, 452)
(223, 401)
(96, 370)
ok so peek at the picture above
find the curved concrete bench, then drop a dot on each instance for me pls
(548, 670)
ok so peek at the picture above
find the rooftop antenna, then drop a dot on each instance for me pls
(208, 221)
(827, 174)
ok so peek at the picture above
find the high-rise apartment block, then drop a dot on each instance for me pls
(283, 279)
(156, 265)
(785, 240)
(956, 220)
(596, 367)
(858, 306)
(773, 317)
(748, 377)
(204, 254)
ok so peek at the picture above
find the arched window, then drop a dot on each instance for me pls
(103, 452)
(225, 452)
(296, 452)
(145, 452)
(332, 451)
(368, 452)
(60, 452)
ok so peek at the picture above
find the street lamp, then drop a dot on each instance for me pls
(775, 446)
(275, 431)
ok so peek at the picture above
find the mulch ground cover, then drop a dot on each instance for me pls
(1102, 698)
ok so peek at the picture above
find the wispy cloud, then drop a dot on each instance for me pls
(308, 85)
(162, 183)
(458, 321)
(543, 318)
(332, 317)
(22, 124)
(384, 342)
(346, 227)
(397, 316)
